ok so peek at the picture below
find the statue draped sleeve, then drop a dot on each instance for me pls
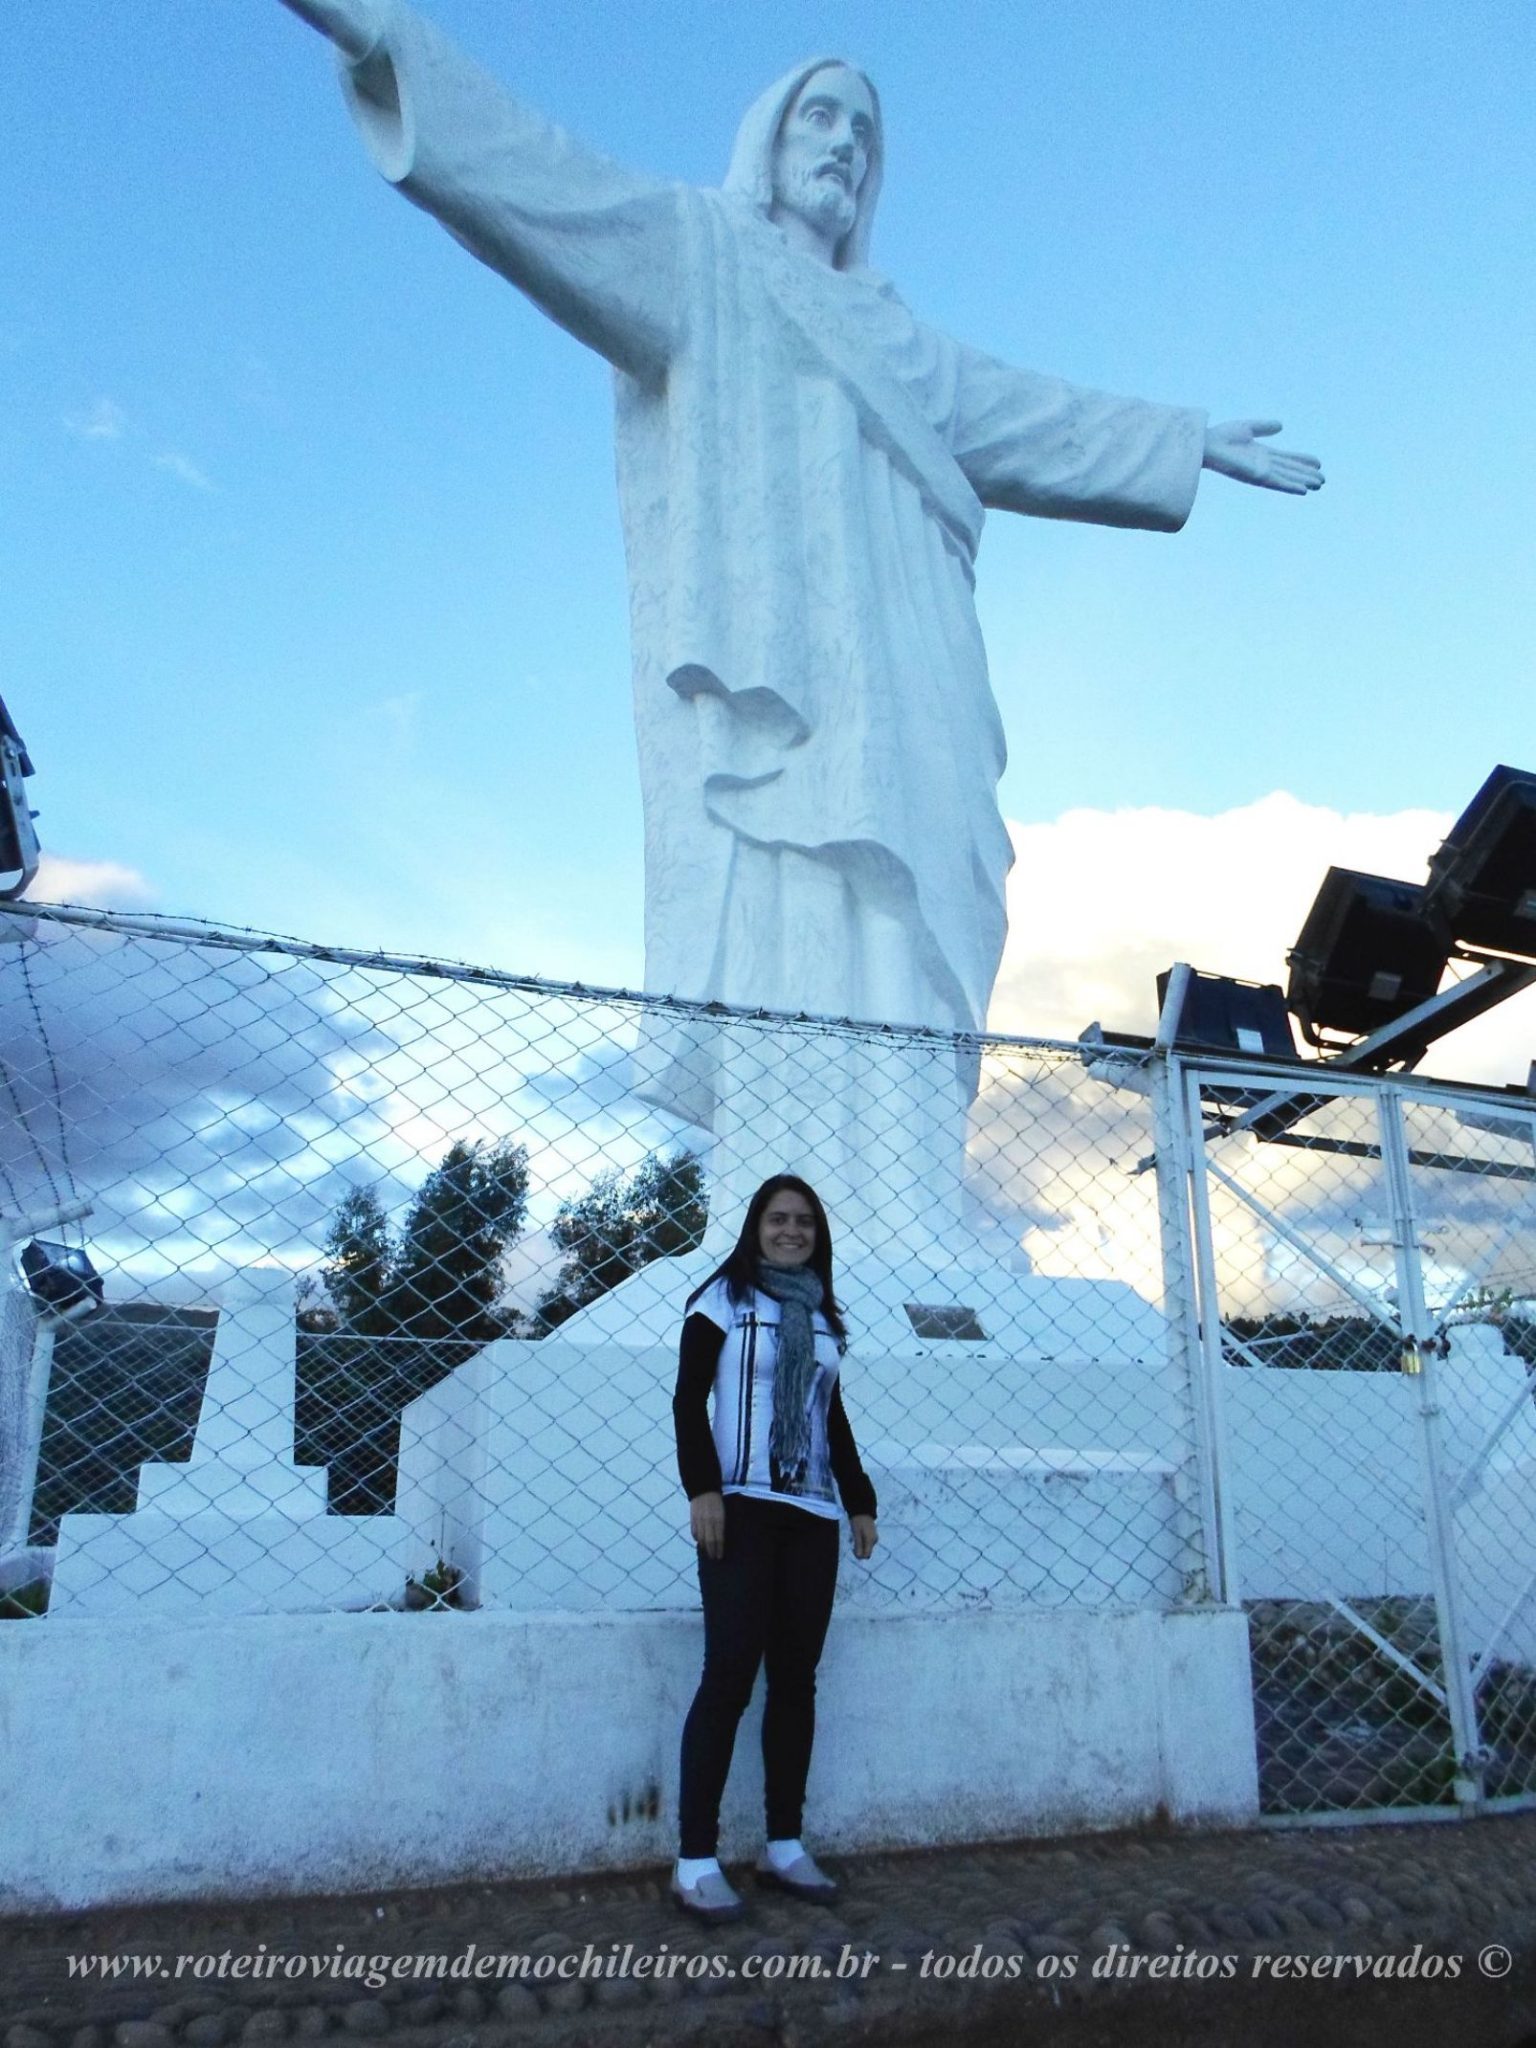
(595, 246)
(1039, 445)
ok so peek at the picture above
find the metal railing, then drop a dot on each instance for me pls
(1367, 1277)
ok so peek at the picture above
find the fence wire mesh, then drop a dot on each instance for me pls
(395, 1253)
(1474, 1204)
(1379, 1445)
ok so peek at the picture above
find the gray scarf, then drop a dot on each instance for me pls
(798, 1291)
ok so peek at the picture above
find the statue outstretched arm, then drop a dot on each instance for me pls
(352, 25)
(1053, 450)
(595, 246)
(1235, 449)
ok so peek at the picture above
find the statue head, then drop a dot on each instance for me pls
(813, 145)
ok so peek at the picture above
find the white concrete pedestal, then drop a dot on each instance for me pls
(1048, 1463)
(240, 1528)
(348, 1752)
(1021, 1314)
(26, 1354)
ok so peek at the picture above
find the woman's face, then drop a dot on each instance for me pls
(786, 1231)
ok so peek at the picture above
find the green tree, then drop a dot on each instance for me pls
(621, 1223)
(358, 1259)
(447, 1271)
(441, 1277)
(405, 1309)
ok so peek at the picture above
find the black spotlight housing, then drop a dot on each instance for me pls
(1224, 1015)
(1371, 950)
(61, 1280)
(19, 852)
(1482, 882)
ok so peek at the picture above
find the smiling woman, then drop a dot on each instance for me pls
(786, 1236)
(765, 1336)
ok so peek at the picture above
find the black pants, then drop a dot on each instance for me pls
(768, 1599)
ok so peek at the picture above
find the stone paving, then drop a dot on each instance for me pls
(1408, 1935)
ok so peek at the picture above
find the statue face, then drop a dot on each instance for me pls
(822, 153)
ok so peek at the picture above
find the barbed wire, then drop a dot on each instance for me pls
(250, 939)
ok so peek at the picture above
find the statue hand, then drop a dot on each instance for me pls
(352, 25)
(1234, 449)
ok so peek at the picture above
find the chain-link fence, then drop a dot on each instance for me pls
(1367, 1261)
(386, 1261)
(395, 1253)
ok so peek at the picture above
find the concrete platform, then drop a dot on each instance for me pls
(272, 1754)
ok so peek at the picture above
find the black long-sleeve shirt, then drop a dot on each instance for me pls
(698, 1462)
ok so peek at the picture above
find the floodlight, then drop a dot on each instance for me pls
(1371, 950)
(19, 852)
(61, 1280)
(1482, 882)
(1224, 1015)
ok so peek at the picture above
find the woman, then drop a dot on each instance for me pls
(765, 1335)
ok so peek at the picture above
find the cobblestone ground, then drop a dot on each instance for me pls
(1403, 1935)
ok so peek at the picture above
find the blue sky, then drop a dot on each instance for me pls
(314, 609)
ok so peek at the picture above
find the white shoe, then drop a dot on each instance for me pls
(804, 1878)
(709, 1898)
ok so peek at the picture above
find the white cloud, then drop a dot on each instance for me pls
(184, 469)
(1101, 901)
(104, 884)
(104, 421)
(216, 1106)
(198, 1098)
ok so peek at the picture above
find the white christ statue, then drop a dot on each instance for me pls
(804, 468)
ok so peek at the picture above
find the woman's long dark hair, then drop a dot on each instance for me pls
(739, 1268)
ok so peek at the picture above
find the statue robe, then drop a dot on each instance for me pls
(803, 468)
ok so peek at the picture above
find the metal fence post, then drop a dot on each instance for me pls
(1418, 1359)
(1177, 1170)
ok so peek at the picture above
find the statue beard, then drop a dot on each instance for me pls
(821, 201)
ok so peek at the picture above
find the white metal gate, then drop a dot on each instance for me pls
(1361, 1266)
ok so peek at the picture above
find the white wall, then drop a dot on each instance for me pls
(1326, 1479)
(285, 1753)
(546, 1472)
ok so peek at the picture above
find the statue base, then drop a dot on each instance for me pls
(238, 1528)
